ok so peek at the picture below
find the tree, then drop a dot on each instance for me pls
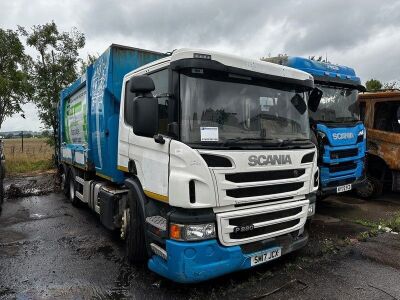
(14, 87)
(391, 85)
(90, 59)
(54, 68)
(373, 85)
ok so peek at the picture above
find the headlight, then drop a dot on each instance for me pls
(193, 232)
(361, 132)
(311, 210)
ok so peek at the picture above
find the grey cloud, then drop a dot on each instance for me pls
(364, 34)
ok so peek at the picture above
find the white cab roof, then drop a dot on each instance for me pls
(254, 65)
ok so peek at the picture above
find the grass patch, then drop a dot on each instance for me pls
(36, 156)
(391, 224)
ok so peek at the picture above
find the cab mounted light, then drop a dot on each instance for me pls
(202, 56)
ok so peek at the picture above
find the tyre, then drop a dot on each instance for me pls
(135, 235)
(63, 180)
(372, 188)
(72, 187)
(1, 192)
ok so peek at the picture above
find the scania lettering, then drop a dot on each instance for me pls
(263, 160)
(201, 160)
(336, 125)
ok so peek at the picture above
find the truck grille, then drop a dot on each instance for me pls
(346, 166)
(261, 223)
(264, 230)
(264, 217)
(264, 176)
(344, 153)
(264, 190)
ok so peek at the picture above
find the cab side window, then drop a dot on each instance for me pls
(362, 111)
(160, 79)
(386, 118)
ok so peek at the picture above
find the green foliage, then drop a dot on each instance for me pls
(90, 59)
(14, 87)
(373, 85)
(391, 85)
(54, 68)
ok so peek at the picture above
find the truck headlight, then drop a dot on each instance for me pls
(193, 232)
(311, 210)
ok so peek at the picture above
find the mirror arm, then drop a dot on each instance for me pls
(159, 139)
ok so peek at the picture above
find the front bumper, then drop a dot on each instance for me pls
(190, 262)
(333, 189)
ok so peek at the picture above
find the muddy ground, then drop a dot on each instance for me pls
(50, 249)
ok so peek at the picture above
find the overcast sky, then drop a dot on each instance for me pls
(364, 34)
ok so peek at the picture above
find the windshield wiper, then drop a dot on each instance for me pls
(294, 141)
(238, 140)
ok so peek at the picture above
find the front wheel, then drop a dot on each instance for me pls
(372, 188)
(135, 238)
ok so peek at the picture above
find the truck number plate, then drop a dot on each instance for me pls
(343, 188)
(268, 255)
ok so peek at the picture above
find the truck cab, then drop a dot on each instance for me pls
(380, 112)
(339, 133)
(213, 170)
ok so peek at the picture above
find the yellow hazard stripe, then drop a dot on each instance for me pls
(156, 196)
(123, 169)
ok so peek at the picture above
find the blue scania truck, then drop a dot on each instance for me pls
(339, 134)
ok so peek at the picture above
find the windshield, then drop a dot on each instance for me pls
(338, 104)
(233, 109)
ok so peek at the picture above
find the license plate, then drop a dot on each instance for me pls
(343, 188)
(265, 256)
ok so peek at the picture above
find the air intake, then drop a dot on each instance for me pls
(215, 161)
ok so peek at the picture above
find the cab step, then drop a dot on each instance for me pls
(159, 251)
(157, 222)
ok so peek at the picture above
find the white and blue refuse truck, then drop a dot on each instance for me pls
(202, 160)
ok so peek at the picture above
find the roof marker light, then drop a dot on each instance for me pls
(202, 56)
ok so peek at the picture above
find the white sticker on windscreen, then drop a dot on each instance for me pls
(209, 134)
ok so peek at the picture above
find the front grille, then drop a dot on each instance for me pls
(262, 201)
(264, 176)
(264, 230)
(243, 221)
(344, 153)
(341, 182)
(346, 166)
(264, 190)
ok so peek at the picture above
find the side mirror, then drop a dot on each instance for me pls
(141, 84)
(145, 116)
(299, 103)
(145, 106)
(314, 99)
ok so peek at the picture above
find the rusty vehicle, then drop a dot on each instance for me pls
(380, 112)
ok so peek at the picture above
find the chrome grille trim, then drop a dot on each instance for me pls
(225, 229)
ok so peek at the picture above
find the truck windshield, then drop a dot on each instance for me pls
(234, 109)
(338, 105)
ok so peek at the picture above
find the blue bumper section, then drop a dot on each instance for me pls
(198, 261)
(190, 262)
